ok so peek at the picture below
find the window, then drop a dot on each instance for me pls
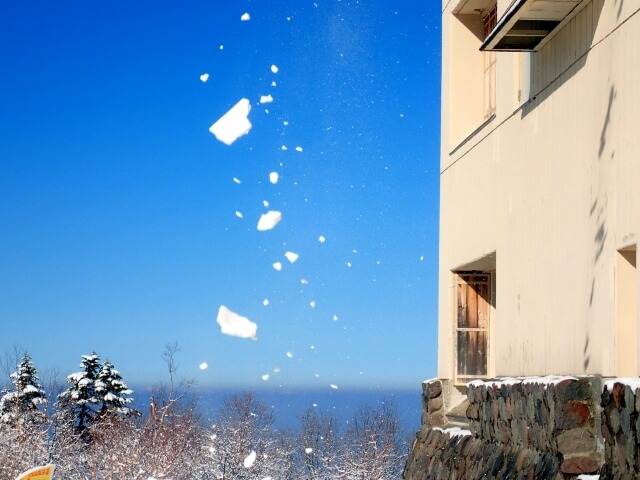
(489, 23)
(473, 308)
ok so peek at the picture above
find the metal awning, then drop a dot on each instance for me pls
(528, 24)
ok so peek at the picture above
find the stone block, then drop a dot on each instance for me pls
(434, 404)
(572, 414)
(576, 441)
(580, 464)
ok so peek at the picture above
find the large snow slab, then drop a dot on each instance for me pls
(269, 220)
(233, 124)
(236, 325)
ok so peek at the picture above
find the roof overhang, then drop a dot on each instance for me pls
(528, 24)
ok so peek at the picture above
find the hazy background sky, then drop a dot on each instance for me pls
(118, 225)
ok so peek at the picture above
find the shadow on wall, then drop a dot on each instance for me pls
(557, 61)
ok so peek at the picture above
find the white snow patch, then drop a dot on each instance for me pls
(265, 302)
(236, 325)
(312, 304)
(631, 382)
(265, 203)
(335, 318)
(546, 381)
(269, 220)
(266, 98)
(277, 266)
(273, 177)
(422, 258)
(245, 17)
(298, 149)
(584, 476)
(265, 377)
(204, 366)
(239, 214)
(304, 281)
(283, 147)
(233, 124)
(291, 256)
(285, 123)
(334, 386)
(322, 239)
(221, 47)
(454, 431)
(308, 450)
(250, 459)
(204, 77)
(273, 84)
(274, 69)
(348, 264)
(237, 180)
(289, 355)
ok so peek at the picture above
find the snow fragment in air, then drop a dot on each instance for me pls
(276, 369)
(274, 69)
(245, 17)
(289, 354)
(277, 266)
(239, 214)
(266, 98)
(312, 304)
(291, 256)
(285, 123)
(273, 84)
(265, 302)
(265, 203)
(321, 239)
(304, 281)
(204, 366)
(250, 459)
(283, 147)
(335, 318)
(348, 264)
(308, 450)
(334, 386)
(273, 177)
(233, 124)
(204, 77)
(269, 220)
(298, 149)
(265, 377)
(221, 47)
(236, 325)
(237, 180)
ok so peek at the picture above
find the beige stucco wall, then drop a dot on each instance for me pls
(552, 188)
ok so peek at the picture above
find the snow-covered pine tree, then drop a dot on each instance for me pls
(22, 405)
(113, 392)
(80, 398)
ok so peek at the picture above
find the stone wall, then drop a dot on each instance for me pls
(534, 428)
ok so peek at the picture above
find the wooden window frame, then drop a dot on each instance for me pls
(487, 280)
(489, 21)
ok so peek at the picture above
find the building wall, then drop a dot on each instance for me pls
(550, 184)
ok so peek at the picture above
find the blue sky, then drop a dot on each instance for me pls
(118, 207)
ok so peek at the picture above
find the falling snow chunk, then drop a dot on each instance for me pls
(277, 266)
(266, 98)
(265, 377)
(265, 203)
(269, 220)
(233, 124)
(335, 318)
(239, 214)
(204, 77)
(204, 366)
(285, 123)
(283, 147)
(308, 450)
(273, 84)
(274, 69)
(291, 256)
(348, 264)
(237, 180)
(235, 325)
(422, 258)
(265, 302)
(245, 17)
(273, 177)
(250, 459)
(334, 386)
(321, 239)
(304, 281)
(298, 149)
(312, 304)
(221, 47)
(289, 354)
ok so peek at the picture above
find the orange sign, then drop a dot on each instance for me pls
(38, 473)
